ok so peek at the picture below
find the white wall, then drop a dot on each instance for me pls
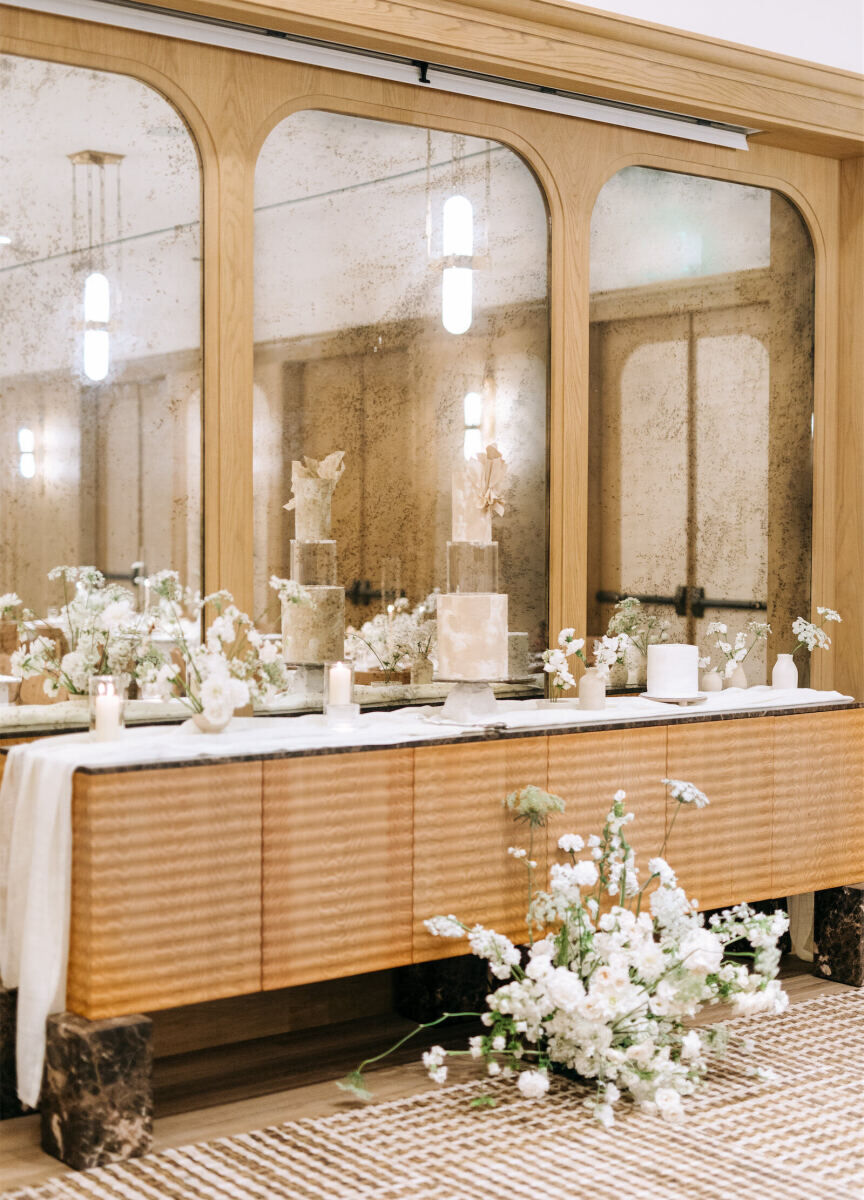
(830, 32)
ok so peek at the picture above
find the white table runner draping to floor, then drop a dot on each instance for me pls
(35, 814)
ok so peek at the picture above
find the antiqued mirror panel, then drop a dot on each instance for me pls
(401, 316)
(100, 361)
(701, 409)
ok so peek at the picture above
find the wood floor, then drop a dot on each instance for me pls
(217, 1092)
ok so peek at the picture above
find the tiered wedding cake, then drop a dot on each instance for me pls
(314, 632)
(472, 614)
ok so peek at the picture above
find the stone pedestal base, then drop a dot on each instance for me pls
(97, 1092)
(426, 990)
(10, 1105)
(838, 919)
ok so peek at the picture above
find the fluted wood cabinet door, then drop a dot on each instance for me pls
(723, 854)
(166, 888)
(337, 865)
(819, 801)
(587, 769)
(461, 835)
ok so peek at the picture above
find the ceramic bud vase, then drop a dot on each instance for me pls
(711, 681)
(592, 689)
(785, 673)
(737, 679)
(207, 725)
(422, 671)
(636, 664)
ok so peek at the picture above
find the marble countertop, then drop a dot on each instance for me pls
(250, 739)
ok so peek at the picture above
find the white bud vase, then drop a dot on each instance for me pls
(737, 679)
(711, 681)
(785, 673)
(592, 689)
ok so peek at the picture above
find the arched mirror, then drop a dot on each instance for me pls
(100, 359)
(401, 316)
(701, 408)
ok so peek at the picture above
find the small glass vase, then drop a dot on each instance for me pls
(712, 681)
(785, 673)
(107, 695)
(637, 665)
(592, 689)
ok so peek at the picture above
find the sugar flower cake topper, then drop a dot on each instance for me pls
(329, 468)
(486, 473)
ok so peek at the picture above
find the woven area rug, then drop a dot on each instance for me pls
(798, 1137)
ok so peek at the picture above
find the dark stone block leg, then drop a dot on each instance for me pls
(839, 933)
(10, 1105)
(97, 1092)
(424, 991)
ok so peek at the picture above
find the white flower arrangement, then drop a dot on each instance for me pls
(641, 628)
(555, 661)
(810, 634)
(609, 650)
(603, 994)
(9, 603)
(396, 638)
(289, 591)
(100, 625)
(235, 663)
(733, 654)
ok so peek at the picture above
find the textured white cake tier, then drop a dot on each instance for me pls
(315, 632)
(312, 504)
(673, 671)
(472, 636)
(470, 523)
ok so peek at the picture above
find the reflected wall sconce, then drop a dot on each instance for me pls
(457, 279)
(96, 177)
(27, 453)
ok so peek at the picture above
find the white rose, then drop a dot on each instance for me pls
(533, 1084)
(564, 988)
(701, 951)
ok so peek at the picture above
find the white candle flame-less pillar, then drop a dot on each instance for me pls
(340, 684)
(106, 708)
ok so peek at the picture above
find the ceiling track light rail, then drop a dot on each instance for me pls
(311, 52)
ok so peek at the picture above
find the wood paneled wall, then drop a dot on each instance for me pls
(202, 882)
(231, 101)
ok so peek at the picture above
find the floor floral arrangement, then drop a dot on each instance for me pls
(604, 992)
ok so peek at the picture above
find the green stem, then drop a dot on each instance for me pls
(413, 1033)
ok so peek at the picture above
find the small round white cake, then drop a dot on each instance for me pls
(673, 671)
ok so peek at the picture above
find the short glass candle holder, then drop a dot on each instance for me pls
(107, 704)
(339, 706)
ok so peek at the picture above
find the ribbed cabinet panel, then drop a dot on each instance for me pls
(724, 853)
(461, 835)
(337, 865)
(587, 769)
(818, 801)
(166, 888)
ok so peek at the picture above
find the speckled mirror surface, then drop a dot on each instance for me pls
(100, 360)
(365, 341)
(701, 406)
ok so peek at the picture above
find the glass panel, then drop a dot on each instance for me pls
(701, 407)
(100, 362)
(401, 316)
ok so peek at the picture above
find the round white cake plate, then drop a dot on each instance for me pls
(681, 701)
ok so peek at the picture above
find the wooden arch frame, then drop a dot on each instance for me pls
(231, 99)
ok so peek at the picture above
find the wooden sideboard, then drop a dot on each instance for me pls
(192, 883)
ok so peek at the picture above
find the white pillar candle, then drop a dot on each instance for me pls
(106, 710)
(339, 691)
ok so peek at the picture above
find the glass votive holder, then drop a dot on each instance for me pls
(339, 706)
(107, 696)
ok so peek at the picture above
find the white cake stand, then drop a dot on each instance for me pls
(681, 701)
(471, 702)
